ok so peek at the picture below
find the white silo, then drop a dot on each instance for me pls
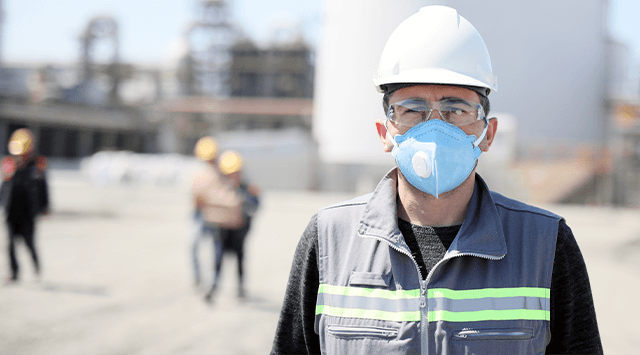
(345, 100)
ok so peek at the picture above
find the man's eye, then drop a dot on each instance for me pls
(457, 112)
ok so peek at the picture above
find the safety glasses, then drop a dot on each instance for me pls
(456, 111)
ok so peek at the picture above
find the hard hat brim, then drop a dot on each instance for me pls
(433, 76)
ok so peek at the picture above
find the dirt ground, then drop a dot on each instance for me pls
(117, 275)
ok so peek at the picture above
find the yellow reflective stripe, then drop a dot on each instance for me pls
(489, 292)
(368, 292)
(510, 314)
(413, 316)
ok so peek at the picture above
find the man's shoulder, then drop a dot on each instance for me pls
(510, 204)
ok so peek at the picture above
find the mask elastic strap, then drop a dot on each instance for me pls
(484, 133)
(393, 140)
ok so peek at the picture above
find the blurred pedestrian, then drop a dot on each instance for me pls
(233, 238)
(215, 202)
(23, 195)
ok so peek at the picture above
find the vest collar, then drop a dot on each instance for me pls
(481, 232)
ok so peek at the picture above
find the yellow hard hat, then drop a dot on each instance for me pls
(206, 148)
(21, 142)
(230, 162)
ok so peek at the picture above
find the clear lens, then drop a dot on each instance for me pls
(409, 112)
(456, 111)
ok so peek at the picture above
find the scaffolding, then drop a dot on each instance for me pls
(210, 38)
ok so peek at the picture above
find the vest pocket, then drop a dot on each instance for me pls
(493, 334)
(369, 279)
(348, 332)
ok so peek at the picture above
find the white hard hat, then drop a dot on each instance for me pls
(436, 46)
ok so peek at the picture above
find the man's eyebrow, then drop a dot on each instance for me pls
(456, 98)
(415, 98)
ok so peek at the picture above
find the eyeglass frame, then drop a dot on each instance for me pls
(480, 111)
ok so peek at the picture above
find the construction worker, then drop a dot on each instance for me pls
(432, 261)
(23, 195)
(233, 238)
(215, 202)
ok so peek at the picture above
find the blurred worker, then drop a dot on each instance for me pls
(23, 195)
(214, 199)
(433, 262)
(233, 238)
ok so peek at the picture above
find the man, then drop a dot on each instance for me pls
(233, 238)
(215, 202)
(432, 262)
(23, 195)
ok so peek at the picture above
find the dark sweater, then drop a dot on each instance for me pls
(574, 329)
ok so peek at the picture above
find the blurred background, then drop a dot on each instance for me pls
(117, 92)
(289, 86)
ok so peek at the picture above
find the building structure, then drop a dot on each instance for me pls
(209, 38)
(76, 110)
(279, 70)
(558, 99)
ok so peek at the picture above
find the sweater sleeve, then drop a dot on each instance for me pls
(574, 329)
(295, 333)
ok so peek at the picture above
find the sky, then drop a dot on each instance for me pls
(49, 30)
(151, 30)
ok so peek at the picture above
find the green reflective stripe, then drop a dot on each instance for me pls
(368, 292)
(489, 292)
(368, 314)
(489, 304)
(515, 314)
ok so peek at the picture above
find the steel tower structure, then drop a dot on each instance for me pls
(210, 38)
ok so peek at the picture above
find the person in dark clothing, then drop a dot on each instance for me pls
(233, 239)
(433, 261)
(23, 195)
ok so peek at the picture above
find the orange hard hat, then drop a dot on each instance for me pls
(206, 148)
(21, 142)
(230, 162)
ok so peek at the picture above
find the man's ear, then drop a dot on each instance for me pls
(491, 134)
(387, 145)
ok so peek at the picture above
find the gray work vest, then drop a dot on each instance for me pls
(489, 295)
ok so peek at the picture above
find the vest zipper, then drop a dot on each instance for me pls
(493, 334)
(426, 282)
(481, 256)
(347, 331)
(424, 320)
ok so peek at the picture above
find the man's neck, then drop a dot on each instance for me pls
(418, 207)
